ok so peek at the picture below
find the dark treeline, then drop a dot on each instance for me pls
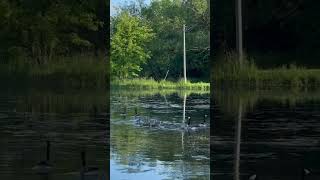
(38, 31)
(275, 32)
(62, 42)
(159, 49)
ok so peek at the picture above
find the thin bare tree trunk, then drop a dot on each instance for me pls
(239, 30)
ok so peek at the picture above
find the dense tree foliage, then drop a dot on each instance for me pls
(38, 30)
(166, 19)
(276, 32)
(129, 49)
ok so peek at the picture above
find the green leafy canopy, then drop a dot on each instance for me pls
(128, 45)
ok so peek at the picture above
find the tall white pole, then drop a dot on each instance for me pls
(184, 54)
(239, 30)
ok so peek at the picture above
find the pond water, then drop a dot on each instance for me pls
(270, 135)
(73, 121)
(152, 138)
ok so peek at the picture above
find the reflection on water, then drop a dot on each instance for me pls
(272, 134)
(152, 138)
(72, 121)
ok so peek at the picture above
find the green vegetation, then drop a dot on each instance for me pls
(128, 46)
(282, 48)
(147, 43)
(118, 91)
(78, 71)
(140, 84)
(274, 32)
(39, 31)
(226, 71)
(54, 40)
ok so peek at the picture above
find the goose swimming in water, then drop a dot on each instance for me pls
(169, 125)
(143, 121)
(136, 111)
(253, 177)
(188, 126)
(195, 127)
(154, 123)
(204, 124)
(44, 167)
(305, 173)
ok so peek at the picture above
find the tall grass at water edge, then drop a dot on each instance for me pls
(227, 70)
(82, 70)
(145, 84)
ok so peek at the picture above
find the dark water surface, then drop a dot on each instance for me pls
(72, 120)
(271, 134)
(163, 151)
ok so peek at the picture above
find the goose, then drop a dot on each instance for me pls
(204, 124)
(188, 126)
(88, 171)
(144, 121)
(44, 167)
(136, 111)
(253, 177)
(305, 173)
(169, 126)
(155, 123)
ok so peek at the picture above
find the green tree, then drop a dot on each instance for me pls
(167, 18)
(128, 45)
(37, 31)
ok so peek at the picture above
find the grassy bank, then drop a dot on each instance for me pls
(150, 84)
(80, 71)
(287, 76)
(154, 92)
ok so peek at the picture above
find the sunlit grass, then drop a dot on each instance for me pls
(149, 84)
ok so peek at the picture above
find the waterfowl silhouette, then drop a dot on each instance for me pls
(88, 171)
(44, 167)
(189, 126)
(154, 123)
(253, 177)
(169, 126)
(305, 172)
(136, 111)
(143, 121)
(204, 124)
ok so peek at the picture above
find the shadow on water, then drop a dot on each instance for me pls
(270, 134)
(153, 138)
(44, 132)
